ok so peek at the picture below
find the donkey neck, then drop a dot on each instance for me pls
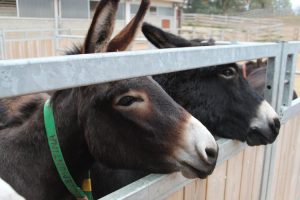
(70, 133)
(25, 156)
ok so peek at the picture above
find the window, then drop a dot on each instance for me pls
(134, 8)
(120, 12)
(165, 11)
(74, 9)
(8, 8)
(36, 8)
(153, 10)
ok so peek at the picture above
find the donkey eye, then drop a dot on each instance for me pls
(128, 100)
(228, 73)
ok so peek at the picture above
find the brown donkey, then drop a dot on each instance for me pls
(129, 124)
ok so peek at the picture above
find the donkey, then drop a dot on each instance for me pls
(218, 95)
(6, 192)
(129, 124)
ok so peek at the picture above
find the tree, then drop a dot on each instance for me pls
(261, 4)
(227, 6)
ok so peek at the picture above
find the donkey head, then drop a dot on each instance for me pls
(134, 123)
(219, 97)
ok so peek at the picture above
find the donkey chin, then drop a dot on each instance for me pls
(197, 155)
(264, 128)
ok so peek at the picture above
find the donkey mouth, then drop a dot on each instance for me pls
(191, 172)
(256, 137)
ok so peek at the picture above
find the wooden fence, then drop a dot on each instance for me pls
(15, 44)
(237, 28)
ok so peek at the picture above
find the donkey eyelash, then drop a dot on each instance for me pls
(128, 100)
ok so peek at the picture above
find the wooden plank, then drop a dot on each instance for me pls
(42, 48)
(216, 183)
(258, 170)
(177, 195)
(233, 177)
(195, 190)
(30, 49)
(26, 49)
(289, 138)
(247, 173)
(297, 175)
(201, 188)
(16, 53)
(38, 48)
(49, 48)
(8, 50)
(282, 163)
(189, 191)
(293, 160)
(277, 162)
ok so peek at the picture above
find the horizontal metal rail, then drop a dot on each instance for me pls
(18, 77)
(291, 111)
(72, 36)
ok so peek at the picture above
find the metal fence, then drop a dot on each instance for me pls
(18, 77)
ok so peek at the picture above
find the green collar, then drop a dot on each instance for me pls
(59, 159)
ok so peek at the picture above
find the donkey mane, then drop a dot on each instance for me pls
(76, 49)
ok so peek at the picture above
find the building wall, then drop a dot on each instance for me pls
(161, 13)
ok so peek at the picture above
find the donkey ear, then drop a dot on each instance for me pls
(162, 39)
(123, 40)
(102, 27)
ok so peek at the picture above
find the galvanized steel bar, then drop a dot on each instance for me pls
(56, 24)
(288, 83)
(289, 51)
(271, 92)
(272, 76)
(291, 111)
(2, 45)
(18, 77)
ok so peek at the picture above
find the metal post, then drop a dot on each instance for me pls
(271, 94)
(174, 24)
(18, 9)
(283, 97)
(56, 25)
(89, 9)
(2, 45)
(287, 87)
(127, 12)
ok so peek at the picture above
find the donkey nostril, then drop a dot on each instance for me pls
(211, 153)
(277, 123)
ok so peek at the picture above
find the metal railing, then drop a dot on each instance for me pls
(18, 77)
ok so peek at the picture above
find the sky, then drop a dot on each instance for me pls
(295, 3)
